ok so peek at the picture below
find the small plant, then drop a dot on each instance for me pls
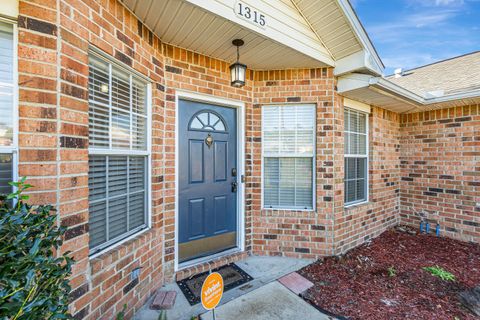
(163, 315)
(392, 272)
(121, 314)
(34, 276)
(440, 273)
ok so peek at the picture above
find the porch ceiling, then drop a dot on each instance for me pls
(183, 24)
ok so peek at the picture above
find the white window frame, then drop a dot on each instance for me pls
(109, 245)
(13, 149)
(314, 158)
(364, 156)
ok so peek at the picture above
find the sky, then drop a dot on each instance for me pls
(412, 33)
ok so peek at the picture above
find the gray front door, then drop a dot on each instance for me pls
(207, 179)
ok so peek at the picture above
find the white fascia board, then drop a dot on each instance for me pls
(404, 93)
(356, 81)
(353, 81)
(319, 52)
(358, 62)
(456, 96)
(390, 87)
(361, 34)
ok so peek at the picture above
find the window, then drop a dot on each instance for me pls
(288, 156)
(207, 121)
(356, 157)
(8, 143)
(119, 153)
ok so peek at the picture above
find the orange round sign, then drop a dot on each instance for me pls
(212, 291)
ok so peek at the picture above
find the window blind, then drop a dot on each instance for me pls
(118, 113)
(6, 173)
(288, 151)
(118, 163)
(7, 102)
(356, 156)
(117, 186)
(6, 84)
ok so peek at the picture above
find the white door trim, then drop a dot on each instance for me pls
(240, 106)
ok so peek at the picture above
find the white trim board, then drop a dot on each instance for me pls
(240, 106)
(356, 105)
(9, 8)
(274, 29)
(388, 95)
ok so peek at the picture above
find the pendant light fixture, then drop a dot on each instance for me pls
(238, 70)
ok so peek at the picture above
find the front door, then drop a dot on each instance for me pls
(207, 179)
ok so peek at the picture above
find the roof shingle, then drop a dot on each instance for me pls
(455, 75)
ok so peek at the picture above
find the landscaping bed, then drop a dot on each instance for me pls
(386, 279)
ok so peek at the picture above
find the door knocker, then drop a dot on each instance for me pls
(209, 140)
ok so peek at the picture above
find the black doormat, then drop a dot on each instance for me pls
(232, 276)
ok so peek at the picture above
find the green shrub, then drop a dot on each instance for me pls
(440, 272)
(33, 278)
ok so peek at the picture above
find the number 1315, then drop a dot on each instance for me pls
(251, 14)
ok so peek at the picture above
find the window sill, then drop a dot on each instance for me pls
(288, 209)
(115, 247)
(356, 205)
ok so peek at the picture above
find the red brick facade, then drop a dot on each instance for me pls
(356, 224)
(440, 169)
(294, 233)
(427, 160)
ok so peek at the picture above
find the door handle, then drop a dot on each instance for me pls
(234, 186)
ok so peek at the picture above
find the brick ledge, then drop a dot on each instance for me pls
(209, 265)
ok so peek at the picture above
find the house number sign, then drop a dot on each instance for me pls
(246, 12)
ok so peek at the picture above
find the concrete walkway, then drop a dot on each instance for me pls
(270, 302)
(264, 270)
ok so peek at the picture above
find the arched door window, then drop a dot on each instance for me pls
(207, 121)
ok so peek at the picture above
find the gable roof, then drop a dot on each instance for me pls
(338, 27)
(454, 75)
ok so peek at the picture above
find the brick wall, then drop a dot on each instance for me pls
(304, 234)
(359, 223)
(53, 141)
(440, 169)
(54, 39)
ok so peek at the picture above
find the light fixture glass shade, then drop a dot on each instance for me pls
(237, 73)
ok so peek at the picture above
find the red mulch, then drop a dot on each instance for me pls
(357, 286)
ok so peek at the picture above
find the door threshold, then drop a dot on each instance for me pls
(194, 262)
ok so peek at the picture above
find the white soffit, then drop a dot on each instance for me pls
(208, 27)
(331, 25)
(9, 8)
(385, 94)
(340, 30)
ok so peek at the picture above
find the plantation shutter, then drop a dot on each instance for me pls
(356, 156)
(118, 162)
(6, 106)
(288, 150)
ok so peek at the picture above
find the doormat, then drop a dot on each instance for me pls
(232, 275)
